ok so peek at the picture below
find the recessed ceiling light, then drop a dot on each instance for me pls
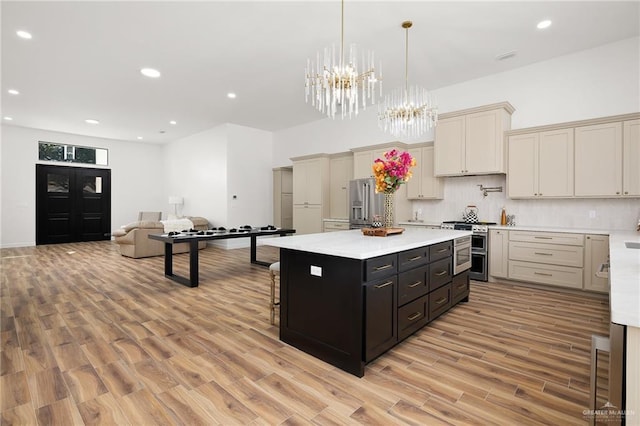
(150, 72)
(13, 92)
(173, 122)
(544, 24)
(140, 138)
(91, 121)
(24, 34)
(7, 118)
(231, 95)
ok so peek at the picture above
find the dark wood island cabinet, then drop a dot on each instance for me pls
(344, 304)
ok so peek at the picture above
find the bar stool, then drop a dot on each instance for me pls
(274, 270)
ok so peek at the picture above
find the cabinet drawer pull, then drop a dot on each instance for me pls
(543, 238)
(439, 274)
(461, 286)
(383, 284)
(415, 258)
(442, 250)
(383, 267)
(542, 273)
(441, 301)
(414, 316)
(543, 254)
(416, 284)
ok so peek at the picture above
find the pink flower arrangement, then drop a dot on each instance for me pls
(393, 171)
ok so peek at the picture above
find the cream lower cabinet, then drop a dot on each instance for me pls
(423, 184)
(541, 164)
(596, 253)
(498, 253)
(307, 219)
(335, 225)
(547, 258)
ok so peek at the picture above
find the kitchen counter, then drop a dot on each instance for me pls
(624, 270)
(552, 229)
(354, 245)
(624, 276)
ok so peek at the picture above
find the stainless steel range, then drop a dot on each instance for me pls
(479, 246)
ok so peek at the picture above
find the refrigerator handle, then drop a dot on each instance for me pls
(365, 202)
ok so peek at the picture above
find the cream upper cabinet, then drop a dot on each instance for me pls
(471, 142)
(598, 160)
(362, 163)
(363, 160)
(541, 164)
(423, 184)
(307, 182)
(631, 158)
(341, 170)
(450, 147)
(596, 253)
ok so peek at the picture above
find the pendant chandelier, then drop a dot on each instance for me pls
(339, 82)
(407, 111)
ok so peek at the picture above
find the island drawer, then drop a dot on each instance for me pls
(440, 251)
(460, 286)
(439, 273)
(412, 284)
(412, 316)
(439, 301)
(412, 258)
(380, 267)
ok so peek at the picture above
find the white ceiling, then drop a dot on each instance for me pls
(84, 58)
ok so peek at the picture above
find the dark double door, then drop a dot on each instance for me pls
(72, 204)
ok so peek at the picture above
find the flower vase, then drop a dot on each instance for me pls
(388, 210)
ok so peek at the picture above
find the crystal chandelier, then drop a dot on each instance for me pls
(332, 83)
(407, 111)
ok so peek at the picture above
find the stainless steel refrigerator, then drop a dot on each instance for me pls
(364, 203)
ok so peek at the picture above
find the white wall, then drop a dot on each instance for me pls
(210, 168)
(136, 179)
(593, 83)
(196, 169)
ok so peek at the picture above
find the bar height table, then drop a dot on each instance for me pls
(194, 239)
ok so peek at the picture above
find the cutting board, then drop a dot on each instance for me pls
(382, 232)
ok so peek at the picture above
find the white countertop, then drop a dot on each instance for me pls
(329, 219)
(624, 276)
(353, 244)
(423, 223)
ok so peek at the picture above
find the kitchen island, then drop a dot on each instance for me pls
(347, 298)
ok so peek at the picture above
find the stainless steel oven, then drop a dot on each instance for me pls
(478, 250)
(461, 254)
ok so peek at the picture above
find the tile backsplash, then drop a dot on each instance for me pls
(596, 213)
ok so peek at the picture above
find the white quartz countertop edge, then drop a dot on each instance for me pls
(552, 229)
(624, 276)
(354, 245)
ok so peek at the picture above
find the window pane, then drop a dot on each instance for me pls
(92, 185)
(50, 152)
(57, 183)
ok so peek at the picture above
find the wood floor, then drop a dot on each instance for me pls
(91, 337)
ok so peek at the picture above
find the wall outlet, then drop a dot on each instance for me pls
(592, 214)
